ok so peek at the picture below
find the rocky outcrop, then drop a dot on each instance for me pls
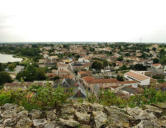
(84, 115)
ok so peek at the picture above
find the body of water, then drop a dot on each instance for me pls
(5, 58)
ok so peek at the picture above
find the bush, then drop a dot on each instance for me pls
(106, 97)
(31, 73)
(158, 76)
(36, 97)
(5, 97)
(4, 77)
(150, 95)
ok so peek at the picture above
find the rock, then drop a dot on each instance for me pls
(24, 123)
(39, 122)
(139, 114)
(67, 110)
(50, 125)
(1, 126)
(146, 124)
(67, 117)
(97, 107)
(35, 114)
(50, 115)
(69, 123)
(9, 114)
(9, 106)
(20, 108)
(117, 117)
(82, 117)
(162, 123)
(9, 122)
(85, 126)
(155, 110)
(22, 114)
(83, 107)
(160, 105)
(1, 121)
(100, 118)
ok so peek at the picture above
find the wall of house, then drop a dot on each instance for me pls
(145, 82)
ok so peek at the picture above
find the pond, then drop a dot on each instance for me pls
(5, 58)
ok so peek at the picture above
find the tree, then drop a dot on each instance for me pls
(127, 54)
(155, 60)
(123, 67)
(139, 67)
(4, 77)
(97, 65)
(158, 76)
(92, 49)
(2, 68)
(154, 49)
(163, 60)
(11, 66)
(31, 73)
(120, 78)
(120, 58)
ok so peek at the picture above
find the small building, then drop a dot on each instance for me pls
(62, 66)
(134, 84)
(84, 73)
(137, 76)
(83, 60)
(91, 82)
(18, 69)
(156, 66)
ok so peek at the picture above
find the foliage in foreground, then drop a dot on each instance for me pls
(36, 97)
(150, 95)
(39, 97)
(4, 77)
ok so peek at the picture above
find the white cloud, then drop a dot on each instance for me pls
(83, 20)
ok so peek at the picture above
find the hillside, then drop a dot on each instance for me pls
(83, 115)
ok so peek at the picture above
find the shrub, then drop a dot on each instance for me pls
(4, 77)
(5, 97)
(36, 97)
(158, 76)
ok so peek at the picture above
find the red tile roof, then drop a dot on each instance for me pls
(93, 80)
(156, 64)
(84, 72)
(128, 82)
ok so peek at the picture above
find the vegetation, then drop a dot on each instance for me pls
(139, 67)
(4, 78)
(36, 97)
(155, 60)
(120, 78)
(2, 67)
(149, 96)
(99, 64)
(11, 66)
(31, 73)
(32, 52)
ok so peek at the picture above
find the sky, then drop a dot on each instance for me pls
(82, 20)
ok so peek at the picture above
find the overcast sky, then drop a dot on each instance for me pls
(83, 20)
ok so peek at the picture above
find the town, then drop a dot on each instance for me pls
(123, 68)
(82, 85)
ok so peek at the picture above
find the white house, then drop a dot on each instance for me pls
(83, 60)
(136, 76)
(156, 66)
(164, 69)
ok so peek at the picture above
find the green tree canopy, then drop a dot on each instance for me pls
(97, 65)
(31, 73)
(4, 77)
(155, 60)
